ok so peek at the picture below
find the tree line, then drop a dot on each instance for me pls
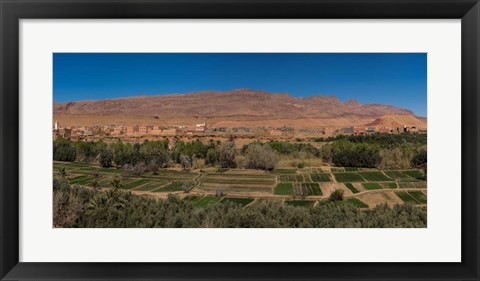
(382, 151)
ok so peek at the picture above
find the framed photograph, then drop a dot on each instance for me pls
(239, 140)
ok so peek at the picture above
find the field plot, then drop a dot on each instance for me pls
(414, 197)
(150, 186)
(240, 201)
(420, 184)
(373, 199)
(136, 183)
(419, 196)
(329, 187)
(245, 184)
(416, 174)
(406, 185)
(284, 189)
(81, 179)
(350, 186)
(374, 176)
(312, 188)
(389, 185)
(291, 178)
(348, 177)
(174, 186)
(320, 177)
(396, 174)
(204, 201)
(371, 185)
(406, 197)
(284, 171)
(349, 201)
(300, 203)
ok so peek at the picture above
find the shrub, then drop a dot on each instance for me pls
(348, 154)
(336, 195)
(260, 157)
(64, 150)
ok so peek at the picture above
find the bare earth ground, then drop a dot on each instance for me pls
(374, 198)
(234, 121)
(328, 187)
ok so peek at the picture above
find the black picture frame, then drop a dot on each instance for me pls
(11, 11)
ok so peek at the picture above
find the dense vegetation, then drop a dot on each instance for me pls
(384, 140)
(75, 206)
(374, 151)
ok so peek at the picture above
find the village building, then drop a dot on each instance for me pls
(119, 130)
(275, 133)
(131, 130)
(169, 132)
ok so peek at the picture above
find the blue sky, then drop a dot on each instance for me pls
(398, 79)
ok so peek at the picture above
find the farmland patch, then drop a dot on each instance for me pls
(416, 174)
(348, 177)
(374, 176)
(350, 186)
(284, 189)
(312, 188)
(371, 185)
(320, 177)
(240, 201)
(300, 203)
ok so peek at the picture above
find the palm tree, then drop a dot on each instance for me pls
(95, 185)
(116, 183)
(63, 173)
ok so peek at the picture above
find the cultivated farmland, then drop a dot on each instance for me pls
(297, 187)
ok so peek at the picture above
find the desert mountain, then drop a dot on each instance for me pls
(395, 120)
(227, 108)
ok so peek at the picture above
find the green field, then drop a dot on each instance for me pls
(242, 186)
(320, 177)
(206, 200)
(407, 197)
(357, 203)
(284, 171)
(80, 179)
(238, 181)
(348, 177)
(174, 186)
(291, 178)
(396, 174)
(416, 174)
(284, 189)
(350, 201)
(371, 185)
(150, 186)
(389, 185)
(136, 183)
(406, 185)
(419, 196)
(300, 203)
(374, 176)
(350, 186)
(312, 188)
(240, 201)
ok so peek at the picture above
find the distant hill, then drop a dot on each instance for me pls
(395, 120)
(225, 108)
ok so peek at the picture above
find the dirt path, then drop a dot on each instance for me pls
(196, 180)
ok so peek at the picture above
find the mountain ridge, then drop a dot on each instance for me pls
(246, 101)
